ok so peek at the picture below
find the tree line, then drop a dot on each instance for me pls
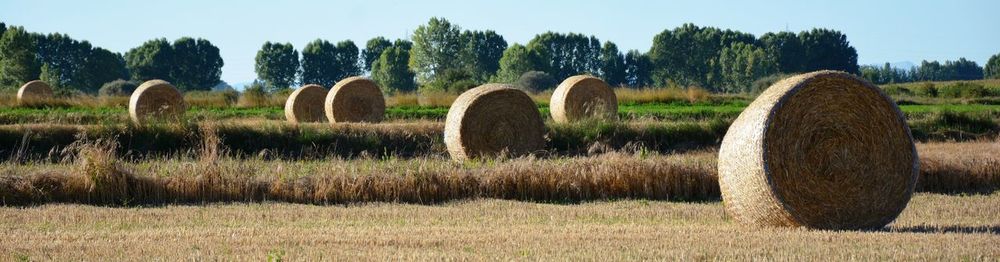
(960, 69)
(71, 65)
(442, 56)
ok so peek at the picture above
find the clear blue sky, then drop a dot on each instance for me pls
(882, 31)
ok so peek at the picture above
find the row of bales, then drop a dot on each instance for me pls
(820, 150)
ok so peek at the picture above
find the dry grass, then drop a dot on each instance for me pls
(214, 176)
(972, 167)
(662, 95)
(933, 227)
(95, 178)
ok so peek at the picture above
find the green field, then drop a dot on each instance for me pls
(660, 111)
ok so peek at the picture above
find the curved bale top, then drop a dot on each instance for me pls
(355, 99)
(155, 100)
(305, 104)
(493, 120)
(33, 92)
(583, 96)
(823, 150)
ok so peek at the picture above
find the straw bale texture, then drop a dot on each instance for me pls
(492, 120)
(155, 100)
(822, 150)
(355, 99)
(305, 104)
(583, 96)
(34, 91)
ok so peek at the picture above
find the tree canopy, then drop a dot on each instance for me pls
(992, 69)
(277, 65)
(391, 72)
(324, 63)
(441, 55)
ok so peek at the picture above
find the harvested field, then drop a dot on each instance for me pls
(933, 227)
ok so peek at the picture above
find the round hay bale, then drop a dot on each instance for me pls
(583, 96)
(355, 99)
(305, 104)
(33, 92)
(155, 100)
(824, 150)
(491, 120)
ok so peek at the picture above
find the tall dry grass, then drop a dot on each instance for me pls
(972, 167)
(92, 173)
(662, 95)
(97, 177)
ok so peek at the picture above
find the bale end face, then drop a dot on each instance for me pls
(583, 96)
(355, 99)
(305, 104)
(156, 100)
(35, 91)
(822, 150)
(492, 120)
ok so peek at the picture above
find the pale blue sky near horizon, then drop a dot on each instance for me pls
(882, 31)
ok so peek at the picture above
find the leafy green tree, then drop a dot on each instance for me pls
(373, 51)
(872, 74)
(404, 44)
(516, 60)
(637, 69)
(197, 64)
(612, 64)
(961, 69)
(687, 54)
(101, 67)
(52, 76)
(565, 55)
(434, 50)
(3, 28)
(787, 49)
(481, 54)
(741, 64)
(346, 60)
(18, 62)
(324, 63)
(154, 59)
(391, 70)
(318, 63)
(992, 70)
(453, 81)
(964, 69)
(65, 59)
(828, 49)
(277, 65)
(930, 71)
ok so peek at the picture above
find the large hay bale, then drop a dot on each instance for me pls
(355, 99)
(155, 100)
(493, 119)
(822, 150)
(305, 104)
(583, 96)
(34, 92)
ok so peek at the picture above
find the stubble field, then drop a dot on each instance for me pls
(231, 183)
